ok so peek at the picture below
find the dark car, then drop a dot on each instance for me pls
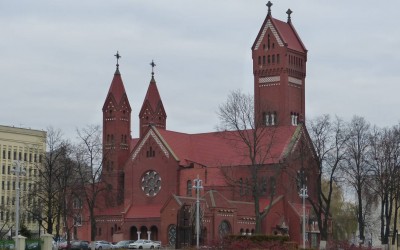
(123, 244)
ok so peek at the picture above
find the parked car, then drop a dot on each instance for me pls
(123, 244)
(102, 244)
(33, 246)
(74, 244)
(62, 245)
(145, 244)
(79, 245)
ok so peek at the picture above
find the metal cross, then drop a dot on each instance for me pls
(118, 57)
(269, 4)
(152, 67)
(288, 12)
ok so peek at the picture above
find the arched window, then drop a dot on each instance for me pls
(172, 235)
(189, 188)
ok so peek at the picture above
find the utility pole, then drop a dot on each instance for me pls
(303, 194)
(197, 186)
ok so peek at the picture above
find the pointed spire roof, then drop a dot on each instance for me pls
(117, 88)
(152, 95)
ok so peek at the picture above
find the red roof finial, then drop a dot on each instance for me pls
(288, 12)
(269, 4)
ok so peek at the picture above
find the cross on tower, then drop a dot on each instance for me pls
(152, 67)
(288, 12)
(269, 4)
(118, 57)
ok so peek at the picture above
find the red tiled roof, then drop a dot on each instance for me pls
(289, 35)
(144, 211)
(286, 32)
(222, 148)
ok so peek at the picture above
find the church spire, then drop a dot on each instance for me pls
(152, 111)
(116, 137)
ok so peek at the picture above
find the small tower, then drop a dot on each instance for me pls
(116, 136)
(152, 111)
(279, 68)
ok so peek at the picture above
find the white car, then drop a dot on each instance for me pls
(144, 244)
(102, 244)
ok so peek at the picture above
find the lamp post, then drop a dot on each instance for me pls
(197, 186)
(303, 194)
(17, 170)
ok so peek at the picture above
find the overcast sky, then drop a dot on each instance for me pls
(57, 58)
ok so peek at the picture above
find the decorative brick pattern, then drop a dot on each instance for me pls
(153, 135)
(295, 80)
(269, 79)
(274, 32)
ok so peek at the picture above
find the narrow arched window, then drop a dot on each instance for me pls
(189, 188)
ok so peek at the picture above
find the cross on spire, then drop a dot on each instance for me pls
(152, 67)
(269, 4)
(118, 57)
(288, 12)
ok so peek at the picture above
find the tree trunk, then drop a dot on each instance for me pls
(361, 225)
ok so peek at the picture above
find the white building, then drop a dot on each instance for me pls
(26, 146)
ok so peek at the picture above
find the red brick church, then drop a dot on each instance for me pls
(151, 178)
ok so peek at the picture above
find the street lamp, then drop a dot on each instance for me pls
(17, 170)
(303, 194)
(197, 186)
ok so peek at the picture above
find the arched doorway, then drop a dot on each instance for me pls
(204, 236)
(224, 228)
(143, 232)
(133, 233)
(154, 233)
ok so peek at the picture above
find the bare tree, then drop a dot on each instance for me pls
(254, 141)
(329, 140)
(89, 160)
(385, 163)
(356, 170)
(45, 194)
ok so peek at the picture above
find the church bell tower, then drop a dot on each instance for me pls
(116, 137)
(279, 68)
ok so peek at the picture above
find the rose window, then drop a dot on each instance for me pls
(151, 183)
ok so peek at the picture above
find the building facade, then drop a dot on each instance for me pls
(26, 146)
(151, 178)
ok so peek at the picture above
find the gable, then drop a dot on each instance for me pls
(284, 33)
(264, 30)
(157, 138)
